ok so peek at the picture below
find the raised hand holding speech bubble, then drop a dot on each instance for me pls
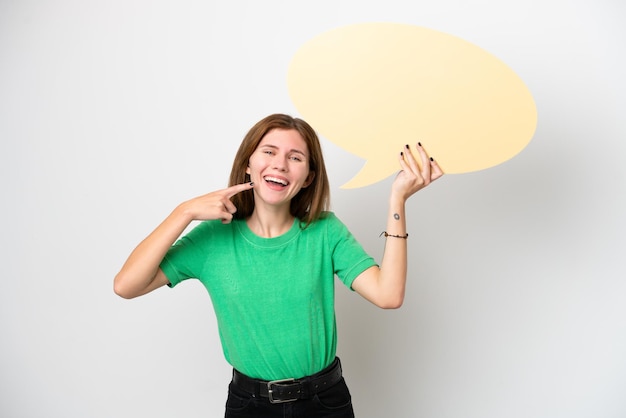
(371, 88)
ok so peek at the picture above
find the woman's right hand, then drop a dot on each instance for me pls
(140, 273)
(214, 205)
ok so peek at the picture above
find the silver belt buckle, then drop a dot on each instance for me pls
(279, 382)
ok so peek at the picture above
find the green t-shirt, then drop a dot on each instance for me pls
(273, 297)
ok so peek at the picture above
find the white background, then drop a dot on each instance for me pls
(113, 112)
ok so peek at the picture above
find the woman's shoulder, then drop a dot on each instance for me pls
(327, 217)
(209, 229)
(328, 220)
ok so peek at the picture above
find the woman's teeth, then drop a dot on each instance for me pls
(276, 180)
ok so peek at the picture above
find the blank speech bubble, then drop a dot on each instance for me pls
(370, 88)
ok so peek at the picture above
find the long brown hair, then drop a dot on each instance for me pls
(311, 201)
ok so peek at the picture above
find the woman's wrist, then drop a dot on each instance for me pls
(182, 213)
(396, 199)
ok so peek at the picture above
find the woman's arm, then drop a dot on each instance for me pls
(384, 286)
(140, 273)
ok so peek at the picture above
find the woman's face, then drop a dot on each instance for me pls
(279, 167)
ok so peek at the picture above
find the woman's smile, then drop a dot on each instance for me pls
(278, 182)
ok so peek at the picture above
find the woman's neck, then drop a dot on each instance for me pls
(270, 224)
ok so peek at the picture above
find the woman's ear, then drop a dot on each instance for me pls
(309, 179)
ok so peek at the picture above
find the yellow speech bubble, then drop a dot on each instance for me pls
(371, 88)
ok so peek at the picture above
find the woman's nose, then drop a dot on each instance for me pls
(280, 164)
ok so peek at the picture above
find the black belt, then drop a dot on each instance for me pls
(289, 390)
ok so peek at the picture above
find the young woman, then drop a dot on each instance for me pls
(267, 252)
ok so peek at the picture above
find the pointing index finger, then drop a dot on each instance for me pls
(238, 188)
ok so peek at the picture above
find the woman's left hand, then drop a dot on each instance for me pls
(414, 176)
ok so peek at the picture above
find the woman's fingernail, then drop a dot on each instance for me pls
(251, 183)
(401, 153)
(431, 159)
(419, 143)
(406, 146)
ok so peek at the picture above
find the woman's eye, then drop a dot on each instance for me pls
(295, 158)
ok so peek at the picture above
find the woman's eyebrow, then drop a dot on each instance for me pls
(276, 147)
(298, 151)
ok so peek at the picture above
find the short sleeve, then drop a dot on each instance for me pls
(349, 257)
(185, 259)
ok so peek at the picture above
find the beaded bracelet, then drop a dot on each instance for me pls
(395, 236)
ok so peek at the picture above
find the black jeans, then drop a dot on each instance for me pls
(334, 402)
